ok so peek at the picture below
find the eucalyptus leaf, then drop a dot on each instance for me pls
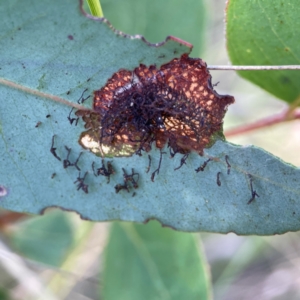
(150, 262)
(52, 49)
(266, 33)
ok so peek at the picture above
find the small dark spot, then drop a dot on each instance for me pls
(285, 80)
(197, 209)
(162, 56)
(70, 37)
(88, 79)
(218, 179)
(48, 116)
(286, 49)
(68, 92)
(38, 124)
(19, 28)
(53, 175)
(133, 194)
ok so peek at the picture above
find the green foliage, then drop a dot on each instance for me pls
(157, 19)
(155, 262)
(45, 238)
(266, 33)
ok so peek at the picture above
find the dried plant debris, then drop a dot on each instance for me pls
(174, 105)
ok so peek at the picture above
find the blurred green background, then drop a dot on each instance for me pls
(64, 254)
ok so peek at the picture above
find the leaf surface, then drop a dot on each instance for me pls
(61, 63)
(266, 33)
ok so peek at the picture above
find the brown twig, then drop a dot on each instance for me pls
(287, 115)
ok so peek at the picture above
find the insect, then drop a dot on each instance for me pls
(253, 192)
(202, 167)
(81, 184)
(104, 171)
(182, 161)
(67, 163)
(79, 101)
(53, 149)
(130, 177)
(228, 164)
(149, 165)
(158, 168)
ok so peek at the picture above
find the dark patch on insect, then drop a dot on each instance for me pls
(253, 192)
(182, 161)
(53, 150)
(149, 165)
(202, 167)
(218, 179)
(70, 37)
(158, 168)
(48, 116)
(67, 163)
(228, 164)
(53, 175)
(104, 171)
(81, 184)
(38, 124)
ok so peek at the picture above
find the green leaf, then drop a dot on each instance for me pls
(150, 262)
(266, 33)
(45, 55)
(157, 19)
(45, 238)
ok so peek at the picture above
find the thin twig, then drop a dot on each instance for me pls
(254, 68)
(284, 116)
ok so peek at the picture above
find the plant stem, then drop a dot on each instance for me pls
(254, 68)
(95, 8)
